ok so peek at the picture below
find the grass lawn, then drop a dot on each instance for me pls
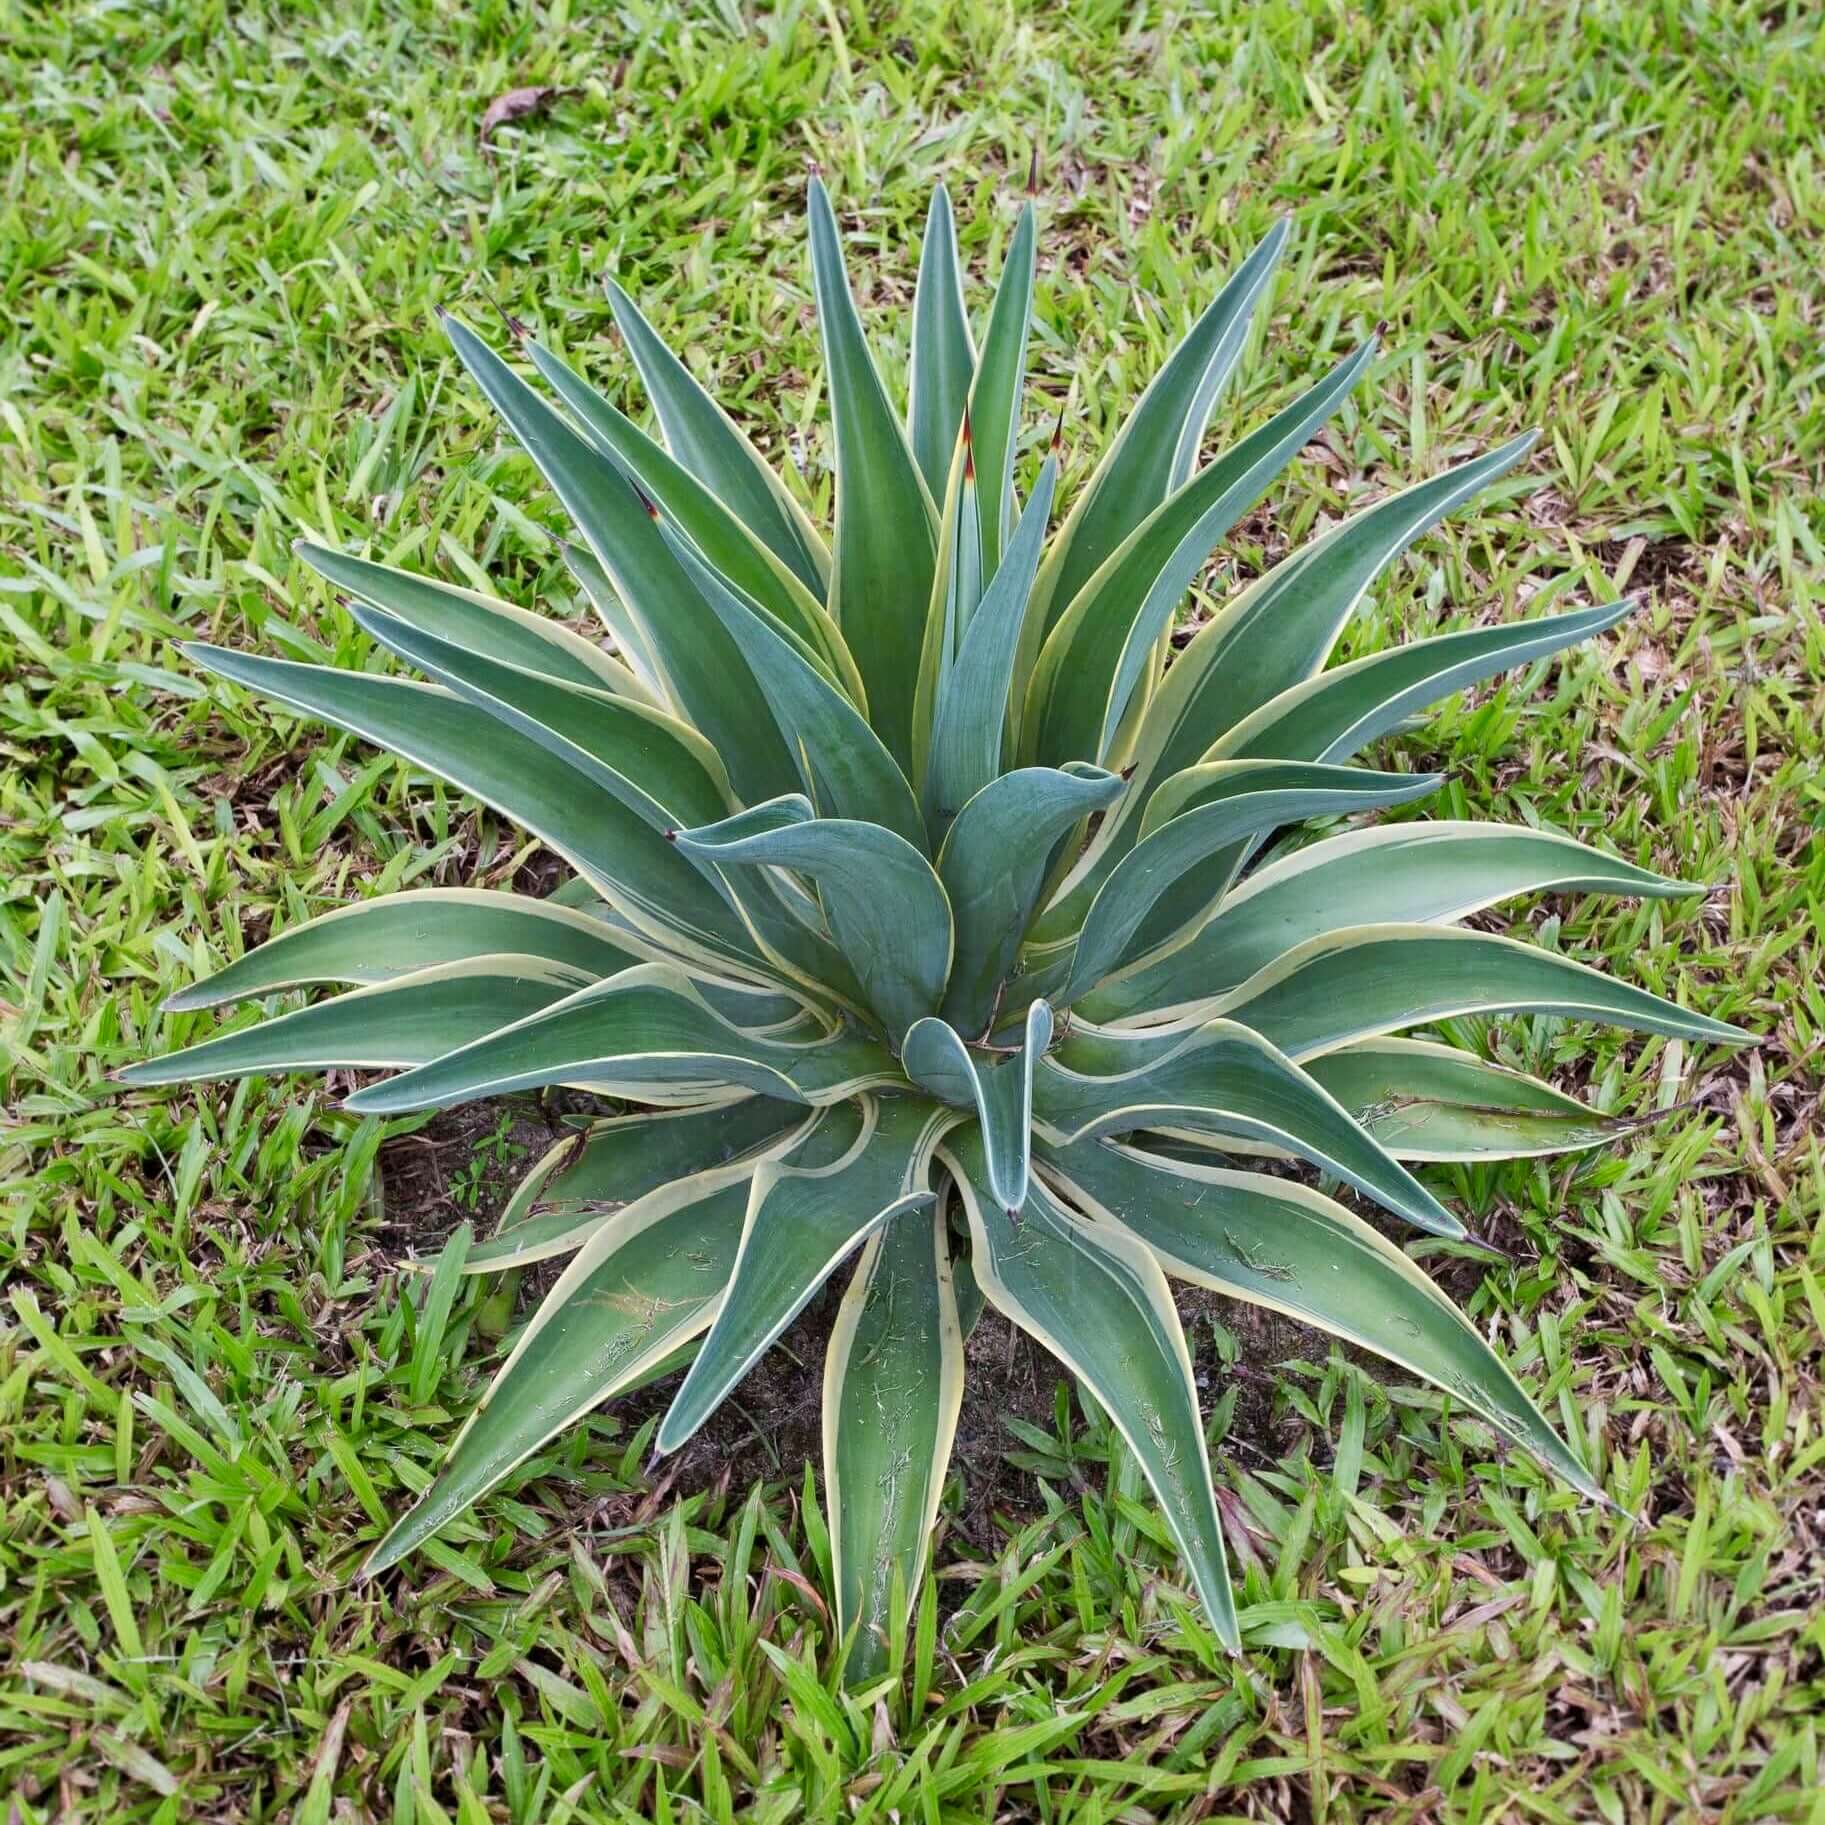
(223, 234)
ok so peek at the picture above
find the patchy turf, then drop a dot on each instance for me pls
(223, 233)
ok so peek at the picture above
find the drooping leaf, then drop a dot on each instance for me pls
(646, 1035)
(887, 910)
(705, 441)
(1218, 1078)
(893, 1387)
(395, 934)
(801, 1222)
(1371, 979)
(582, 1181)
(943, 356)
(993, 865)
(1143, 895)
(886, 549)
(407, 1020)
(1289, 1248)
(1431, 1102)
(620, 848)
(1096, 1298)
(1418, 873)
(935, 1057)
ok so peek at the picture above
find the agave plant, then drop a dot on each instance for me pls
(922, 913)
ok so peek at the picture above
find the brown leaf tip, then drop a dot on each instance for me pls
(1033, 173)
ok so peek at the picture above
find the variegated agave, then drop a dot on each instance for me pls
(913, 914)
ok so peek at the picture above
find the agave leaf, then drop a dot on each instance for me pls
(936, 1059)
(801, 1222)
(579, 1184)
(1243, 802)
(482, 624)
(1223, 1079)
(966, 704)
(705, 441)
(1156, 450)
(1096, 1298)
(726, 544)
(1293, 1250)
(646, 1035)
(397, 933)
(1094, 656)
(639, 1290)
(993, 865)
(887, 911)
(623, 850)
(1372, 979)
(1419, 873)
(994, 411)
(893, 1387)
(943, 357)
(1424, 1101)
(956, 595)
(702, 668)
(675, 775)
(1339, 712)
(405, 1021)
(886, 550)
(841, 761)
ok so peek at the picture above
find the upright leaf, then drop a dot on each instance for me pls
(965, 701)
(1001, 1094)
(1156, 450)
(1097, 650)
(994, 863)
(943, 357)
(886, 550)
(994, 413)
